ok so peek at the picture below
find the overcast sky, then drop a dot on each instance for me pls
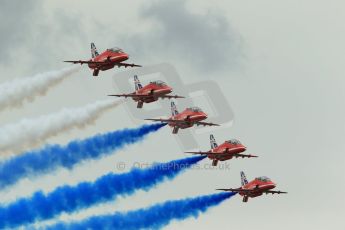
(279, 63)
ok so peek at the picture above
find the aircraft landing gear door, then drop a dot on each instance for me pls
(95, 72)
(175, 130)
(140, 104)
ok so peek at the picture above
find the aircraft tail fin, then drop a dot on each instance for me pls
(137, 83)
(94, 52)
(174, 111)
(243, 179)
(213, 142)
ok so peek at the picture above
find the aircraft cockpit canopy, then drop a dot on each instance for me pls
(195, 109)
(116, 50)
(234, 142)
(263, 179)
(159, 83)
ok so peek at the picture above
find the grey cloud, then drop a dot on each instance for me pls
(206, 41)
(16, 19)
(41, 36)
(56, 39)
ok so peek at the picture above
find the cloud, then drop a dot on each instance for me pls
(206, 41)
(59, 34)
(37, 34)
(16, 19)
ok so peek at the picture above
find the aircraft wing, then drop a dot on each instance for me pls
(170, 96)
(85, 62)
(224, 153)
(144, 96)
(129, 95)
(249, 190)
(218, 154)
(103, 63)
(183, 122)
(244, 155)
(274, 192)
(205, 123)
(166, 120)
(233, 190)
(127, 65)
(201, 153)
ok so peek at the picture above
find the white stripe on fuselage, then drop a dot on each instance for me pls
(230, 149)
(159, 90)
(112, 58)
(197, 116)
(260, 186)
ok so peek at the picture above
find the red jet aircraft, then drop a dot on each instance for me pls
(106, 60)
(225, 151)
(186, 119)
(149, 93)
(256, 187)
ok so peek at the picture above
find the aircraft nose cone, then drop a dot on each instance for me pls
(125, 56)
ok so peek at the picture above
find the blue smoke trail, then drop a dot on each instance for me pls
(154, 217)
(52, 157)
(73, 198)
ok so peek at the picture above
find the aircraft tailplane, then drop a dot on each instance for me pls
(243, 179)
(174, 111)
(137, 83)
(94, 52)
(213, 142)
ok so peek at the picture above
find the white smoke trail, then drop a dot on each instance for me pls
(15, 92)
(31, 132)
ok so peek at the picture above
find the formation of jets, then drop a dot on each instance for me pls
(188, 118)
